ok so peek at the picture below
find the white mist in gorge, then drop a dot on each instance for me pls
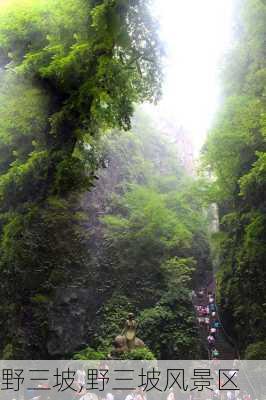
(196, 35)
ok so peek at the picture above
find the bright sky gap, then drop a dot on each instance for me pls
(197, 34)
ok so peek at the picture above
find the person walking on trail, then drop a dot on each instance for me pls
(201, 293)
(201, 321)
(211, 341)
(213, 331)
(199, 309)
(201, 312)
(211, 299)
(207, 322)
(206, 311)
(215, 353)
(216, 324)
(212, 307)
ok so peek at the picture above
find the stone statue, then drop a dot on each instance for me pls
(128, 340)
(130, 330)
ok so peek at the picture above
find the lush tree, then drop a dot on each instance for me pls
(69, 70)
(235, 152)
(150, 241)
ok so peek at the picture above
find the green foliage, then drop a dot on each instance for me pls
(8, 352)
(151, 242)
(231, 147)
(111, 320)
(95, 56)
(256, 351)
(90, 354)
(138, 354)
(253, 183)
(70, 69)
(149, 219)
(23, 119)
(235, 152)
(170, 330)
(178, 272)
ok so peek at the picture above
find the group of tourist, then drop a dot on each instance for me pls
(137, 394)
(140, 395)
(208, 320)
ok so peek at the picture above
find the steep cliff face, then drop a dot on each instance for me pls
(70, 73)
(132, 243)
(235, 151)
(145, 241)
(72, 320)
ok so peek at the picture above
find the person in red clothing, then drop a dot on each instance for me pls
(201, 312)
